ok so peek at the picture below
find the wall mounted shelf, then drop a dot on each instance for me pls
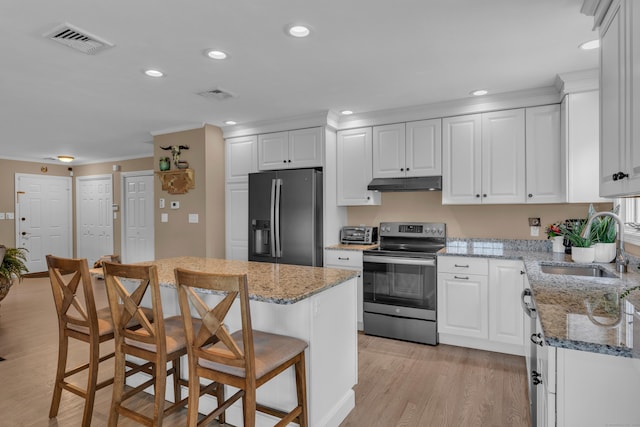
(178, 181)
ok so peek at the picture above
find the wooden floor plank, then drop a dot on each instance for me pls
(400, 384)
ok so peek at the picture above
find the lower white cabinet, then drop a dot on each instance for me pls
(479, 303)
(348, 260)
(581, 388)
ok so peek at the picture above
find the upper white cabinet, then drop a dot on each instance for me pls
(545, 155)
(411, 149)
(620, 100)
(354, 168)
(581, 130)
(293, 149)
(484, 158)
(241, 155)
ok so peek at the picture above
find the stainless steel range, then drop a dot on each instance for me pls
(399, 281)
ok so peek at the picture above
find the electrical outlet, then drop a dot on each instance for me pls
(9, 215)
(534, 222)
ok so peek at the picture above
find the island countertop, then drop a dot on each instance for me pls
(274, 283)
(561, 300)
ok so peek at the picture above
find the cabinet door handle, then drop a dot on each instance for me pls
(461, 277)
(461, 266)
(484, 195)
(530, 195)
(407, 169)
(477, 195)
(537, 339)
(402, 169)
(343, 259)
(535, 376)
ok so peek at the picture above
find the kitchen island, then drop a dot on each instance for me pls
(315, 304)
(587, 365)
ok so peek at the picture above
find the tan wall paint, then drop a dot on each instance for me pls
(205, 156)
(482, 221)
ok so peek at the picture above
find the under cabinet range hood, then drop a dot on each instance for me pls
(423, 183)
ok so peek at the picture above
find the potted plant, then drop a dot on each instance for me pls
(603, 230)
(12, 267)
(582, 250)
(555, 233)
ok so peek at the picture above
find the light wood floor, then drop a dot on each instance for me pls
(400, 384)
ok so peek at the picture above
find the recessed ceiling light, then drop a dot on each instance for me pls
(479, 92)
(153, 73)
(230, 122)
(216, 54)
(346, 112)
(298, 30)
(66, 159)
(591, 44)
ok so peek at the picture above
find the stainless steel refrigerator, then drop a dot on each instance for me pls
(285, 217)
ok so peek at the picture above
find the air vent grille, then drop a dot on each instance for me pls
(78, 39)
(218, 94)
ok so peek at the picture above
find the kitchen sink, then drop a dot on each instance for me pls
(576, 270)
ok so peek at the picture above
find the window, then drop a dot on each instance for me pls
(630, 213)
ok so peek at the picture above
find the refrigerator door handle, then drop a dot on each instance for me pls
(272, 218)
(276, 226)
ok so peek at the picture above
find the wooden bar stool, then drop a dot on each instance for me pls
(245, 359)
(157, 342)
(78, 318)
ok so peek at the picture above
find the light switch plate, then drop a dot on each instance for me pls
(1, 215)
(9, 215)
(535, 231)
(164, 217)
(161, 203)
(193, 218)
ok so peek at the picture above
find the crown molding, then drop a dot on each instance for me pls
(181, 128)
(578, 81)
(324, 118)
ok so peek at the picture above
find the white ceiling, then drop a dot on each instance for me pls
(363, 55)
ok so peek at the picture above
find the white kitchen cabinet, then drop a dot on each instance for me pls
(483, 158)
(354, 168)
(241, 158)
(237, 221)
(545, 156)
(405, 150)
(463, 297)
(348, 260)
(506, 283)
(580, 120)
(620, 100)
(300, 148)
(581, 388)
(479, 303)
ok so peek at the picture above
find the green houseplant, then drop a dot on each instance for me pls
(603, 231)
(12, 267)
(582, 250)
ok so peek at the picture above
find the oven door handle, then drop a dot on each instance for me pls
(394, 260)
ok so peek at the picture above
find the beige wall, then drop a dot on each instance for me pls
(178, 237)
(483, 221)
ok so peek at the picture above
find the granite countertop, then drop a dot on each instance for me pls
(561, 300)
(341, 246)
(274, 283)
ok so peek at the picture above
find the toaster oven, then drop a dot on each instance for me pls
(358, 235)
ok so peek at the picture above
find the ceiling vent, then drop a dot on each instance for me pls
(78, 39)
(217, 94)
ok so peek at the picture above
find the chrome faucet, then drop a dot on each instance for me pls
(621, 257)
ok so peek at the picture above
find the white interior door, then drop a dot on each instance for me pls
(94, 216)
(43, 218)
(137, 217)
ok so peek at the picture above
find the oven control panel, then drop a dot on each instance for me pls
(413, 229)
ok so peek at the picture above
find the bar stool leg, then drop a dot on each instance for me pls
(92, 381)
(57, 388)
